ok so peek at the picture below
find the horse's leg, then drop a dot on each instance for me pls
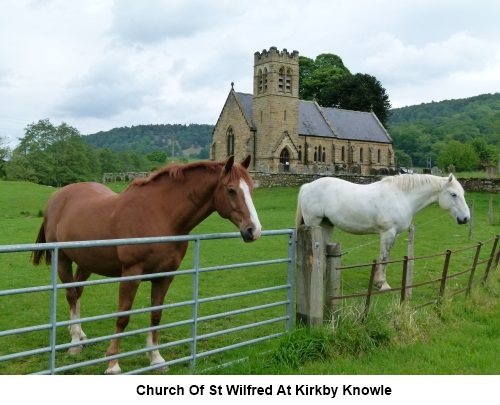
(159, 288)
(80, 275)
(65, 272)
(327, 230)
(128, 290)
(386, 241)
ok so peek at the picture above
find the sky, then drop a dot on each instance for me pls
(101, 64)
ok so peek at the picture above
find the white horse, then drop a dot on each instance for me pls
(386, 207)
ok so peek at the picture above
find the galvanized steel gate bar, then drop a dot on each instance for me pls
(52, 326)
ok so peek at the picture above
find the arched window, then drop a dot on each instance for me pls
(343, 154)
(315, 154)
(285, 159)
(300, 153)
(319, 153)
(288, 81)
(361, 155)
(230, 142)
(379, 156)
(259, 81)
(281, 78)
(264, 78)
(323, 157)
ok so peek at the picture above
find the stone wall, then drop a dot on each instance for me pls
(295, 180)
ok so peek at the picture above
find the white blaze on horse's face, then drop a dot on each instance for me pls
(254, 218)
(452, 200)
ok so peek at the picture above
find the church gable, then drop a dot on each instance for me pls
(232, 131)
(286, 141)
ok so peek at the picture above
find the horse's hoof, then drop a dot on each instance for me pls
(383, 286)
(115, 370)
(112, 372)
(75, 349)
(163, 369)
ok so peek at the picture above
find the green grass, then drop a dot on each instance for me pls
(394, 341)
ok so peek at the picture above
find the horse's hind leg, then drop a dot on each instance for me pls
(386, 242)
(65, 272)
(159, 288)
(80, 275)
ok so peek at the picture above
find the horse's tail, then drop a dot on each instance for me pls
(38, 255)
(299, 220)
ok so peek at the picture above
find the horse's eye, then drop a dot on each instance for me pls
(453, 195)
(231, 191)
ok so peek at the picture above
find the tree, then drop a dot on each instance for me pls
(4, 154)
(462, 156)
(315, 74)
(54, 156)
(359, 92)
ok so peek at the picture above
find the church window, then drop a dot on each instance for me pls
(288, 80)
(264, 79)
(379, 158)
(284, 115)
(260, 81)
(316, 154)
(280, 79)
(230, 142)
(343, 154)
(300, 153)
(361, 155)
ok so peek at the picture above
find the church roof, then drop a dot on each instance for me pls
(328, 122)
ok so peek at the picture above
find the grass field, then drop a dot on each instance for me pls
(461, 341)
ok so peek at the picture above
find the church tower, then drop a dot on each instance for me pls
(276, 108)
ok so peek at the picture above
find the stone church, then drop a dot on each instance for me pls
(283, 133)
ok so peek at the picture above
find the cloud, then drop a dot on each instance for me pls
(412, 65)
(153, 21)
(108, 89)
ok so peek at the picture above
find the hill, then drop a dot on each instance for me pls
(420, 131)
(151, 138)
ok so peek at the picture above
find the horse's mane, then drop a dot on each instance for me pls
(407, 182)
(176, 171)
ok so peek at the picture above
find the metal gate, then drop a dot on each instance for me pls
(277, 309)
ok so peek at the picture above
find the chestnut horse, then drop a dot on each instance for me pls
(170, 202)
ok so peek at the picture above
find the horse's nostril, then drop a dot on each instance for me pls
(250, 231)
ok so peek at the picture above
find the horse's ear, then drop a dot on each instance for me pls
(450, 178)
(229, 164)
(246, 163)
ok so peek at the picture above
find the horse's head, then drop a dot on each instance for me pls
(452, 200)
(233, 199)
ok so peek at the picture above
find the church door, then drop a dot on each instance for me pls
(285, 159)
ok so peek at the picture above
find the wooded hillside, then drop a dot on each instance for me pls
(422, 131)
(151, 138)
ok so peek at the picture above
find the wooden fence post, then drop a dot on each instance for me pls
(471, 221)
(332, 279)
(410, 262)
(444, 276)
(490, 260)
(310, 275)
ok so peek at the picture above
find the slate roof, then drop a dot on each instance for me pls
(327, 122)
